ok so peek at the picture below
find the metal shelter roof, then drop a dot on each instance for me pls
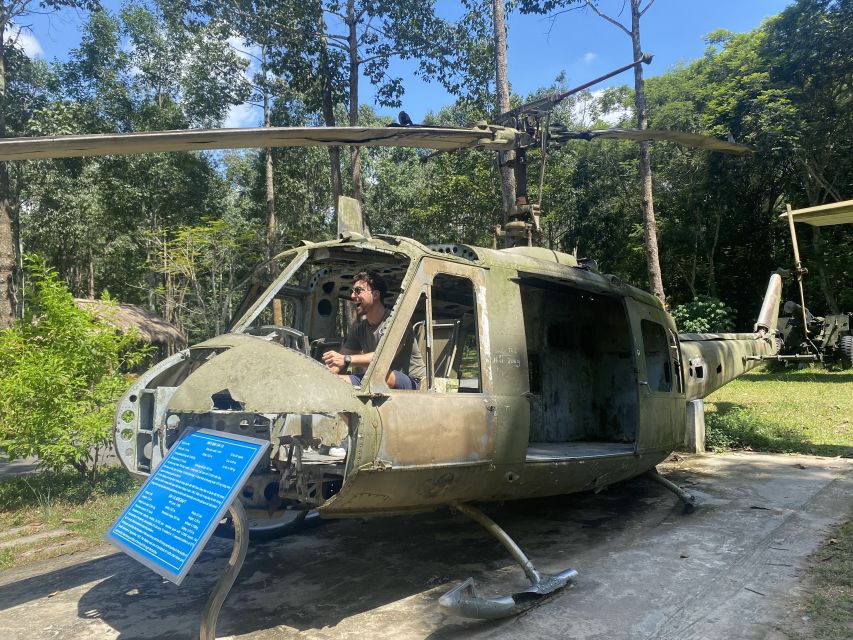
(824, 214)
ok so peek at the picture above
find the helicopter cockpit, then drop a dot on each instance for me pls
(308, 309)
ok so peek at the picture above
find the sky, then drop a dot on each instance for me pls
(578, 43)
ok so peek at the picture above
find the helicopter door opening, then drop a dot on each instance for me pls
(447, 421)
(583, 393)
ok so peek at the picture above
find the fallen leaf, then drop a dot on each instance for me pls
(800, 466)
(50, 595)
(71, 520)
(833, 541)
(683, 555)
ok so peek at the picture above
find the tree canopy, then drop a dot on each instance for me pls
(181, 232)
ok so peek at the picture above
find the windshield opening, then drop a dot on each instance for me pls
(310, 309)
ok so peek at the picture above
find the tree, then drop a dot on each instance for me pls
(203, 265)
(162, 78)
(451, 198)
(12, 12)
(371, 33)
(638, 9)
(61, 373)
(505, 158)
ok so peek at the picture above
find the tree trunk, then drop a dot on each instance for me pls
(150, 259)
(9, 275)
(649, 223)
(91, 275)
(272, 230)
(831, 302)
(505, 158)
(712, 252)
(355, 152)
(328, 108)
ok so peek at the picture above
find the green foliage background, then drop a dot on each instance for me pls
(61, 372)
(180, 233)
(704, 314)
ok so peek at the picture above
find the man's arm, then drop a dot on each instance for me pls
(334, 360)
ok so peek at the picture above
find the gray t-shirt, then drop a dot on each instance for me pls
(363, 338)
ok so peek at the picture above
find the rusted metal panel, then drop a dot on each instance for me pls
(417, 489)
(431, 428)
(505, 347)
(263, 376)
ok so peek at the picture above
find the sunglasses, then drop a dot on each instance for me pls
(359, 290)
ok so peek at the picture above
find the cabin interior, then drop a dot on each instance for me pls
(583, 391)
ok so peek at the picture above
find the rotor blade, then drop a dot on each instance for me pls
(547, 104)
(681, 137)
(484, 136)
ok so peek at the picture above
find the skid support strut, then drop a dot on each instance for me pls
(226, 580)
(463, 600)
(688, 499)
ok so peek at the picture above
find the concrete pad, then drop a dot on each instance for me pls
(647, 570)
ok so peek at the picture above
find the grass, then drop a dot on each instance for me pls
(799, 411)
(62, 507)
(831, 606)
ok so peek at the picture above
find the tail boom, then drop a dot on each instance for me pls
(711, 360)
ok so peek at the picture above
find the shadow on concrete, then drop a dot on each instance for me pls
(314, 580)
(646, 570)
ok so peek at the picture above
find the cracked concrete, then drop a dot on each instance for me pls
(646, 570)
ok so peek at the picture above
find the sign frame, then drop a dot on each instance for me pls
(177, 576)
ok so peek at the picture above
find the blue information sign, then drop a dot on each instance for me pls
(174, 513)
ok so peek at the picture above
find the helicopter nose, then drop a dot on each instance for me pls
(263, 377)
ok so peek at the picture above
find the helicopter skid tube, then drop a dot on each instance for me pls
(688, 499)
(463, 600)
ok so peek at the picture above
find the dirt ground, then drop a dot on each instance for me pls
(732, 569)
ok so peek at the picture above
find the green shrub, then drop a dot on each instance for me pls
(704, 314)
(61, 372)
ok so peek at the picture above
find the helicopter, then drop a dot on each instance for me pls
(543, 375)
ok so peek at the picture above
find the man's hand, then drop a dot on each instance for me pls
(334, 361)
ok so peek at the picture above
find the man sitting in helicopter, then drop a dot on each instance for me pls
(368, 292)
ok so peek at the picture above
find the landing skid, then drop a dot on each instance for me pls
(463, 600)
(688, 499)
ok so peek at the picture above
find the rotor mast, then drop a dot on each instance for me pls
(522, 220)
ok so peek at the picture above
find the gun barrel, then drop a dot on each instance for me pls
(769, 314)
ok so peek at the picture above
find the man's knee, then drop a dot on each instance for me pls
(401, 381)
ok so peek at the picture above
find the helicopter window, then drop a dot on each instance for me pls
(455, 354)
(445, 332)
(658, 370)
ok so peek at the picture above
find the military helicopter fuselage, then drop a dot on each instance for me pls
(544, 377)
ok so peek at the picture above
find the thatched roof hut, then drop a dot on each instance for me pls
(153, 329)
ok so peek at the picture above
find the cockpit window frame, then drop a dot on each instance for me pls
(261, 303)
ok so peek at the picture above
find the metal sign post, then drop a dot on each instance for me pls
(226, 580)
(174, 513)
